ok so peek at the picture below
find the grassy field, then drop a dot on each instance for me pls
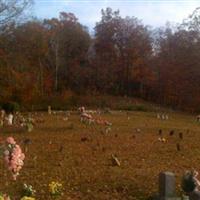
(79, 155)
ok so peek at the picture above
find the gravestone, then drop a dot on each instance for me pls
(10, 119)
(49, 110)
(171, 132)
(3, 114)
(181, 135)
(178, 147)
(167, 186)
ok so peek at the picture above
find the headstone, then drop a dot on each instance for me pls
(171, 132)
(27, 141)
(178, 147)
(181, 135)
(107, 130)
(61, 149)
(3, 113)
(1, 122)
(84, 139)
(49, 110)
(10, 119)
(167, 186)
(163, 116)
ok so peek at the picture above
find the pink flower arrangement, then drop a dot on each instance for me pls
(10, 140)
(4, 197)
(90, 119)
(13, 157)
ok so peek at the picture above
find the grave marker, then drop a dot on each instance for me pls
(49, 110)
(178, 147)
(181, 135)
(167, 186)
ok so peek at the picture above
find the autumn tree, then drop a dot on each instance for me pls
(68, 46)
(122, 45)
(177, 63)
(11, 12)
(40, 59)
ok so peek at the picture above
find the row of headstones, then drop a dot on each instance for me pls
(15, 119)
(166, 117)
(162, 116)
(4, 117)
(50, 111)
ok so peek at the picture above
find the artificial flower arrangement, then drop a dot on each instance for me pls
(27, 198)
(28, 191)
(55, 189)
(29, 124)
(4, 197)
(13, 157)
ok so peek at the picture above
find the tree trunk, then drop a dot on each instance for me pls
(56, 65)
(41, 77)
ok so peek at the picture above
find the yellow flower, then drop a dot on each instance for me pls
(4, 197)
(27, 198)
(55, 188)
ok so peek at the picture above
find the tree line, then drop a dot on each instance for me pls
(44, 58)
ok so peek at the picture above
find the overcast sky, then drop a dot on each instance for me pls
(152, 12)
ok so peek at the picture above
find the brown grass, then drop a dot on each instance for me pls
(85, 168)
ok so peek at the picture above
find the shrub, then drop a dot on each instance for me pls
(188, 183)
(73, 101)
(142, 108)
(11, 106)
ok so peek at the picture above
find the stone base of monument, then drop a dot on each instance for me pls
(170, 198)
(185, 198)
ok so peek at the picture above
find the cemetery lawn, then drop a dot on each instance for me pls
(79, 155)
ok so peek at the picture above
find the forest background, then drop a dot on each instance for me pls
(58, 62)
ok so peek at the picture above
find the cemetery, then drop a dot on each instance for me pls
(106, 155)
(99, 99)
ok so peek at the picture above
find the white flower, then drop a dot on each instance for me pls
(6, 152)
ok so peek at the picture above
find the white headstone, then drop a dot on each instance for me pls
(49, 110)
(10, 119)
(3, 113)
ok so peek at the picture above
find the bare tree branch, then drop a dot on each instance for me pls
(11, 9)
